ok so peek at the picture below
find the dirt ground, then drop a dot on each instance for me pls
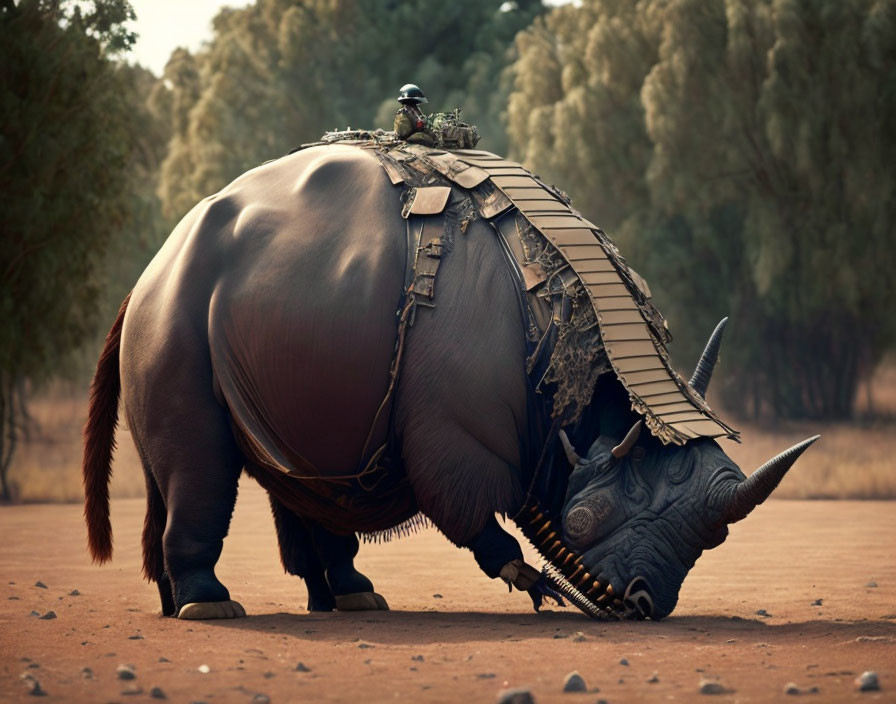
(452, 635)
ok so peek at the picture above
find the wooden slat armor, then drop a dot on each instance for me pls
(672, 410)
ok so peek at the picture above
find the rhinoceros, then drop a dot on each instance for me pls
(262, 337)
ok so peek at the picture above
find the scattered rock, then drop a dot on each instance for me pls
(269, 675)
(867, 682)
(519, 695)
(33, 665)
(364, 646)
(558, 636)
(711, 687)
(302, 667)
(763, 613)
(32, 685)
(74, 592)
(573, 682)
(49, 616)
(872, 584)
(817, 602)
(157, 693)
(132, 690)
(41, 585)
(579, 637)
(417, 658)
(13, 598)
(35, 613)
(791, 688)
(436, 596)
(485, 676)
(653, 679)
(623, 662)
(731, 640)
(164, 659)
(261, 699)
(136, 636)
(873, 639)
(125, 672)
(204, 669)
(86, 673)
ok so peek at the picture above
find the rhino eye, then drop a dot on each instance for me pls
(583, 521)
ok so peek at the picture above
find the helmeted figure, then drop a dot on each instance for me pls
(410, 123)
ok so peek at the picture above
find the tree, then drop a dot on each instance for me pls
(751, 173)
(279, 73)
(64, 148)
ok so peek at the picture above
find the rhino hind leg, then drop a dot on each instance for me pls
(196, 472)
(299, 557)
(351, 590)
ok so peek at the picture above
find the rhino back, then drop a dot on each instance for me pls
(295, 271)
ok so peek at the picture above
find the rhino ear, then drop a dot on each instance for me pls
(570, 451)
(628, 442)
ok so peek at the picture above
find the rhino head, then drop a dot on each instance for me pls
(639, 513)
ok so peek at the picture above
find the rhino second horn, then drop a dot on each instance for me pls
(628, 442)
(758, 486)
(703, 373)
(570, 451)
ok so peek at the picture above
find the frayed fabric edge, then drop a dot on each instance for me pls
(414, 524)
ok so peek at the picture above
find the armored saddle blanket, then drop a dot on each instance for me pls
(577, 283)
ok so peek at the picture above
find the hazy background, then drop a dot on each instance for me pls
(740, 153)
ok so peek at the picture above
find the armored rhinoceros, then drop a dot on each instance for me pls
(272, 333)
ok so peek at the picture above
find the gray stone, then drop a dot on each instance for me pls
(653, 679)
(711, 687)
(261, 699)
(817, 602)
(763, 613)
(623, 662)
(49, 616)
(302, 667)
(417, 658)
(86, 673)
(519, 695)
(157, 693)
(40, 585)
(74, 592)
(574, 682)
(125, 672)
(867, 682)
(872, 584)
(436, 596)
(136, 636)
(32, 685)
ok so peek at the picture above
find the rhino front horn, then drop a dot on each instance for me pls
(703, 373)
(758, 486)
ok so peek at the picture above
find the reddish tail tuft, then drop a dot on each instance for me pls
(99, 442)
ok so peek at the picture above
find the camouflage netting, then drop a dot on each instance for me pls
(578, 357)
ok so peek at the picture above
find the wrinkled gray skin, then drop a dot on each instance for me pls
(655, 511)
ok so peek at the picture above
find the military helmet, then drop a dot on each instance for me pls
(411, 94)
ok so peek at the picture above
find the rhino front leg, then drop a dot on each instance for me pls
(351, 590)
(498, 554)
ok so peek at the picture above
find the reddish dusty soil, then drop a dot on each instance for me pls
(464, 645)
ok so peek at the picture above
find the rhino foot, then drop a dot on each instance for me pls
(202, 610)
(361, 601)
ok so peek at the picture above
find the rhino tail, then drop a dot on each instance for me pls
(99, 442)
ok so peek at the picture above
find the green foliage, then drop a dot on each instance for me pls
(279, 73)
(742, 153)
(65, 150)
